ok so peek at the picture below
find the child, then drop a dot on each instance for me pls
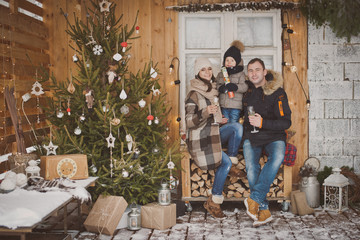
(231, 105)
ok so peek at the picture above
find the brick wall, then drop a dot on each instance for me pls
(334, 86)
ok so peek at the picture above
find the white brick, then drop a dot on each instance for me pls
(352, 108)
(331, 90)
(316, 147)
(315, 35)
(356, 89)
(334, 109)
(352, 71)
(351, 146)
(347, 53)
(337, 161)
(316, 109)
(325, 71)
(357, 164)
(333, 147)
(336, 128)
(355, 128)
(322, 53)
(330, 37)
(316, 128)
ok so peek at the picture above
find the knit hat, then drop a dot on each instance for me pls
(201, 63)
(234, 51)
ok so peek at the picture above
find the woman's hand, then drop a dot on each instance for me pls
(255, 120)
(212, 109)
(224, 120)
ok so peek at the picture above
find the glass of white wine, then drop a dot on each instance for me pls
(251, 112)
(216, 103)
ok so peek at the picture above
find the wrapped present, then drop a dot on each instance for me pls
(156, 216)
(105, 215)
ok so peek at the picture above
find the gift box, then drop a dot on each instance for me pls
(105, 214)
(156, 216)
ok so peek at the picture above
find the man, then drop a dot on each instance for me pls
(272, 117)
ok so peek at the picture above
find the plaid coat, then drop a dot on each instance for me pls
(203, 138)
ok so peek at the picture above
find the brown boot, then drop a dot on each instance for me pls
(235, 172)
(293, 202)
(302, 205)
(214, 208)
(264, 218)
(252, 208)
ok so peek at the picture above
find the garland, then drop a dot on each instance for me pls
(342, 16)
(275, 4)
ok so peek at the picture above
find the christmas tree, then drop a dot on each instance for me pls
(115, 117)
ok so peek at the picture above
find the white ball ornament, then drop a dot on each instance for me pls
(124, 109)
(21, 179)
(142, 103)
(7, 185)
(77, 130)
(125, 173)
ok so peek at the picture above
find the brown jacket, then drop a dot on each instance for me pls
(203, 138)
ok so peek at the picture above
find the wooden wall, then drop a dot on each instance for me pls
(22, 39)
(159, 38)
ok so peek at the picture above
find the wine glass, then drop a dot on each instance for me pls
(251, 112)
(216, 103)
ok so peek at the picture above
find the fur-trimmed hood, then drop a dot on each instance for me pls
(273, 83)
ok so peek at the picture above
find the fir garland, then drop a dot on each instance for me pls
(342, 16)
(266, 5)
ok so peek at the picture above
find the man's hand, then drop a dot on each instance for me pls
(255, 120)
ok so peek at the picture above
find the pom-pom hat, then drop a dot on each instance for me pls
(234, 51)
(201, 63)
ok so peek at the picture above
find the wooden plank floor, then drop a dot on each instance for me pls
(199, 225)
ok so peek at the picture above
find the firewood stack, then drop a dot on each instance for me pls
(202, 181)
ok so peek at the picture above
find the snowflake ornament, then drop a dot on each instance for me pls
(104, 6)
(110, 141)
(50, 149)
(37, 89)
(97, 49)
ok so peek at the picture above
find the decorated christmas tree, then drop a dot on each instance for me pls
(116, 117)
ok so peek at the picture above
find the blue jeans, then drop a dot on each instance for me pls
(221, 173)
(232, 114)
(261, 179)
(230, 133)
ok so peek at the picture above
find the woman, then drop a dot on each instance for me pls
(204, 137)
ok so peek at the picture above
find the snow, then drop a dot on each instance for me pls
(22, 208)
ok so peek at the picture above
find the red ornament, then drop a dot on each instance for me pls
(150, 117)
(137, 29)
(124, 45)
(68, 110)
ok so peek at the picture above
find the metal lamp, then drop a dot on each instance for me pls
(164, 196)
(134, 218)
(336, 191)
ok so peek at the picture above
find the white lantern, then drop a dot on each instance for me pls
(336, 191)
(32, 170)
(134, 218)
(164, 195)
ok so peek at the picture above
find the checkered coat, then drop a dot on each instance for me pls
(203, 138)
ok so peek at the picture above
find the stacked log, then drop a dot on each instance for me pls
(202, 181)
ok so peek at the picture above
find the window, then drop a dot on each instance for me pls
(210, 35)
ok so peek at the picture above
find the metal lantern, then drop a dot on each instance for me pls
(134, 218)
(336, 191)
(32, 170)
(164, 194)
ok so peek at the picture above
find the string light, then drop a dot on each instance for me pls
(293, 68)
(176, 82)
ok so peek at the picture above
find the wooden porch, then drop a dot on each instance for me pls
(199, 225)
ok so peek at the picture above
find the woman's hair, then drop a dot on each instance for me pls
(206, 82)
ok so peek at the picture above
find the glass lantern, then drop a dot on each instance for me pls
(134, 218)
(336, 191)
(164, 194)
(32, 170)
